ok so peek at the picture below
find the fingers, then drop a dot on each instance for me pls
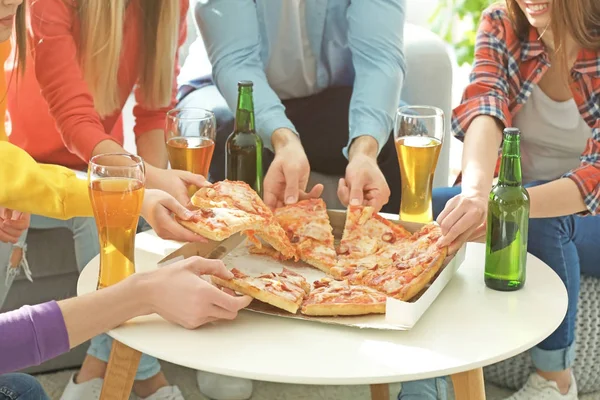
(11, 234)
(292, 185)
(6, 238)
(343, 192)
(450, 206)
(204, 266)
(229, 302)
(356, 192)
(478, 234)
(460, 240)
(194, 179)
(269, 195)
(171, 204)
(18, 224)
(171, 230)
(315, 193)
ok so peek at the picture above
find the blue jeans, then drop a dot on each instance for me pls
(21, 387)
(569, 245)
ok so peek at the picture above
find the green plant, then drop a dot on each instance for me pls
(456, 22)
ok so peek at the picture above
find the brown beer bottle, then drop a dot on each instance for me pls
(244, 148)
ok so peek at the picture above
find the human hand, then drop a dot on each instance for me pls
(287, 177)
(179, 294)
(462, 219)
(364, 182)
(158, 208)
(12, 225)
(173, 181)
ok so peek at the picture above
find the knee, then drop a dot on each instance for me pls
(22, 386)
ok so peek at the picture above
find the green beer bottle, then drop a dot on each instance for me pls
(244, 148)
(507, 221)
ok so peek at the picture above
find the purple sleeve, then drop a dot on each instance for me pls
(31, 335)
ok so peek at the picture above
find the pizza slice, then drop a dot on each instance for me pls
(231, 194)
(366, 232)
(220, 223)
(237, 195)
(309, 230)
(332, 298)
(285, 290)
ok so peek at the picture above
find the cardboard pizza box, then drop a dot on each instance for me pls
(399, 315)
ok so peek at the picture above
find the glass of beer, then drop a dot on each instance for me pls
(116, 188)
(190, 135)
(418, 134)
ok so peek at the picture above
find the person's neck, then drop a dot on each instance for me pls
(571, 45)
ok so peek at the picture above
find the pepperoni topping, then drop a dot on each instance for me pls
(238, 274)
(321, 283)
(343, 250)
(388, 237)
(207, 213)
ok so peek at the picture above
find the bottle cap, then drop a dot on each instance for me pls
(512, 132)
(245, 84)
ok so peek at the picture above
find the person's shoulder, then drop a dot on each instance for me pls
(496, 21)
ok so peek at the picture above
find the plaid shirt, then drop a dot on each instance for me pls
(505, 71)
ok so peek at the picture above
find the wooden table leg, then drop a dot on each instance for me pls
(380, 392)
(120, 373)
(469, 385)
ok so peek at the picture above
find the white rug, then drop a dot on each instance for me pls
(54, 384)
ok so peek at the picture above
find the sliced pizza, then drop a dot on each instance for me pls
(309, 230)
(220, 223)
(332, 298)
(285, 290)
(238, 195)
(231, 194)
(366, 232)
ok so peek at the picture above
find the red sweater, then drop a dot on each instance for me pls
(51, 109)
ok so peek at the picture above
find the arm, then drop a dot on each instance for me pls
(149, 126)
(230, 32)
(375, 38)
(556, 199)
(177, 292)
(61, 79)
(48, 190)
(479, 121)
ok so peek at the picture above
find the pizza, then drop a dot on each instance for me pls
(240, 197)
(285, 290)
(231, 194)
(332, 298)
(366, 233)
(307, 225)
(405, 271)
(220, 223)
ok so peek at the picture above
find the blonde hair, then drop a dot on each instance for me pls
(579, 19)
(102, 24)
(20, 38)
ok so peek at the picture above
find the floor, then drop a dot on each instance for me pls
(185, 379)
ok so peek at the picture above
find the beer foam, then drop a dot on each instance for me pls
(417, 141)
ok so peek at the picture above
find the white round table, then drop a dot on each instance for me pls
(468, 327)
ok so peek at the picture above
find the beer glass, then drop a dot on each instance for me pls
(190, 135)
(116, 188)
(418, 135)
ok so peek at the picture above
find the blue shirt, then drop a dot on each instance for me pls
(356, 43)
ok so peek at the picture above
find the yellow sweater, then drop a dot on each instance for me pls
(48, 190)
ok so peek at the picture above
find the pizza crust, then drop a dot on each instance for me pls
(415, 286)
(243, 287)
(333, 310)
